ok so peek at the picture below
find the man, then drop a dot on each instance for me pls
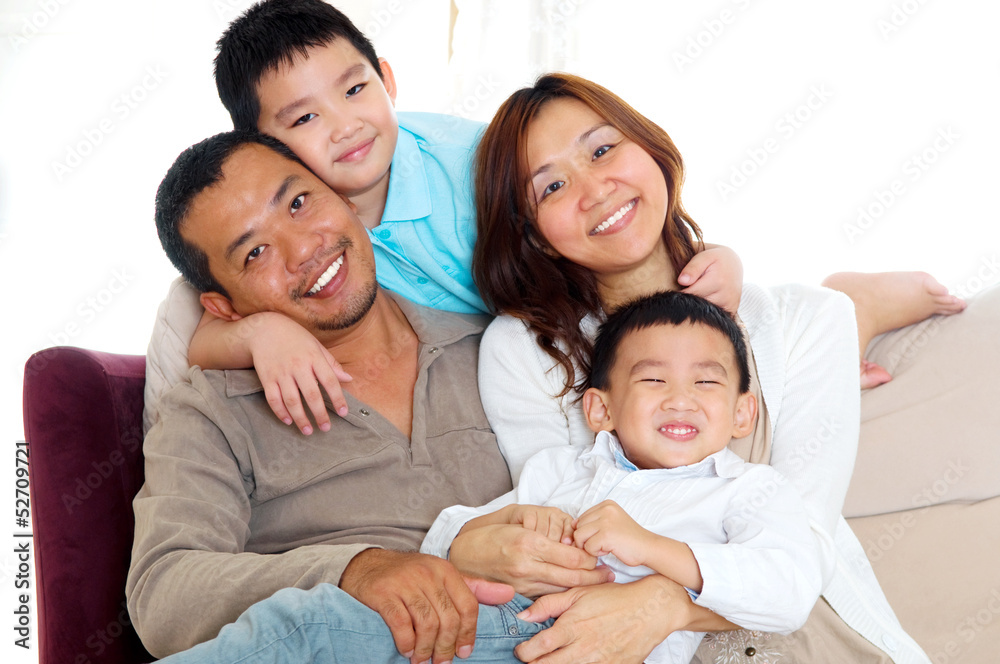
(236, 505)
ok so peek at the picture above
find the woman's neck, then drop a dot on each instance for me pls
(653, 275)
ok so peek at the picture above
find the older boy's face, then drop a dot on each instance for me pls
(674, 395)
(278, 239)
(336, 114)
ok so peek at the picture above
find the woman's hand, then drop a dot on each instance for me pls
(716, 274)
(608, 623)
(529, 561)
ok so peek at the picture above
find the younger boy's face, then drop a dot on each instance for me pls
(674, 396)
(336, 114)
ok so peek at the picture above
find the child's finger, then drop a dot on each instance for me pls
(273, 395)
(290, 397)
(338, 370)
(313, 399)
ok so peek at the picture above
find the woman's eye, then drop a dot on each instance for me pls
(552, 188)
(254, 254)
(304, 119)
(355, 90)
(601, 151)
(299, 201)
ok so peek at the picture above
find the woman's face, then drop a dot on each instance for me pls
(601, 200)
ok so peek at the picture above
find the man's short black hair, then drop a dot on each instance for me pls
(667, 308)
(196, 169)
(272, 33)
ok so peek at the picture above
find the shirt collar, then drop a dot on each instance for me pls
(409, 194)
(432, 327)
(724, 463)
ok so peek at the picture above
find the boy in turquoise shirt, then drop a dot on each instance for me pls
(300, 71)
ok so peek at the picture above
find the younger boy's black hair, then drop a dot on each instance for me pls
(667, 308)
(272, 33)
(196, 169)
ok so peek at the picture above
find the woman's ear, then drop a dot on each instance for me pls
(595, 409)
(219, 306)
(746, 415)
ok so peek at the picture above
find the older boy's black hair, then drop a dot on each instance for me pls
(196, 169)
(272, 33)
(667, 308)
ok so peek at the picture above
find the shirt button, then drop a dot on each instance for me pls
(385, 234)
(434, 350)
(364, 412)
(890, 642)
(422, 280)
(751, 651)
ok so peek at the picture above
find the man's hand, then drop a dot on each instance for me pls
(429, 607)
(715, 274)
(529, 561)
(607, 624)
(606, 528)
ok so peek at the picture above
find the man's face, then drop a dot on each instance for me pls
(336, 114)
(278, 239)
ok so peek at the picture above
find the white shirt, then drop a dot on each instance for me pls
(744, 523)
(804, 341)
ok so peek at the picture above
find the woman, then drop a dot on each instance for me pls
(578, 197)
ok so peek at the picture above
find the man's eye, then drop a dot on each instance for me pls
(356, 89)
(254, 253)
(299, 201)
(304, 119)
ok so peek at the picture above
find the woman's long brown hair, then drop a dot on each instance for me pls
(514, 272)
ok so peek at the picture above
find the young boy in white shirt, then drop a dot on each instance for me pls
(659, 492)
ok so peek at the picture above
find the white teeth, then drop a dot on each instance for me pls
(325, 278)
(678, 431)
(615, 217)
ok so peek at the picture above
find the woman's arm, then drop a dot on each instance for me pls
(617, 623)
(518, 384)
(805, 344)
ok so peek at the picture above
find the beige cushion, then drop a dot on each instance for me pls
(940, 570)
(932, 434)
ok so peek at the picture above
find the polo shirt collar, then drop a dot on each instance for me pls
(409, 196)
(432, 327)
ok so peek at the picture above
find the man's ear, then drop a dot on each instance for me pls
(595, 409)
(746, 415)
(388, 79)
(350, 203)
(219, 306)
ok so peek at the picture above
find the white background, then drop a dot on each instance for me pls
(126, 85)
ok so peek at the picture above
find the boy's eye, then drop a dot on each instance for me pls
(650, 380)
(708, 382)
(254, 254)
(304, 119)
(355, 90)
(298, 202)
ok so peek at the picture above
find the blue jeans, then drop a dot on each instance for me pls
(327, 625)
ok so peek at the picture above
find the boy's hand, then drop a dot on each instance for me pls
(291, 362)
(606, 528)
(552, 522)
(715, 274)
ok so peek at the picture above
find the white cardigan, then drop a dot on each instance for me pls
(805, 345)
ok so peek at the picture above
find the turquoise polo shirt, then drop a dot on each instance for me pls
(423, 245)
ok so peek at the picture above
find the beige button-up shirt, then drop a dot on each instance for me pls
(237, 505)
